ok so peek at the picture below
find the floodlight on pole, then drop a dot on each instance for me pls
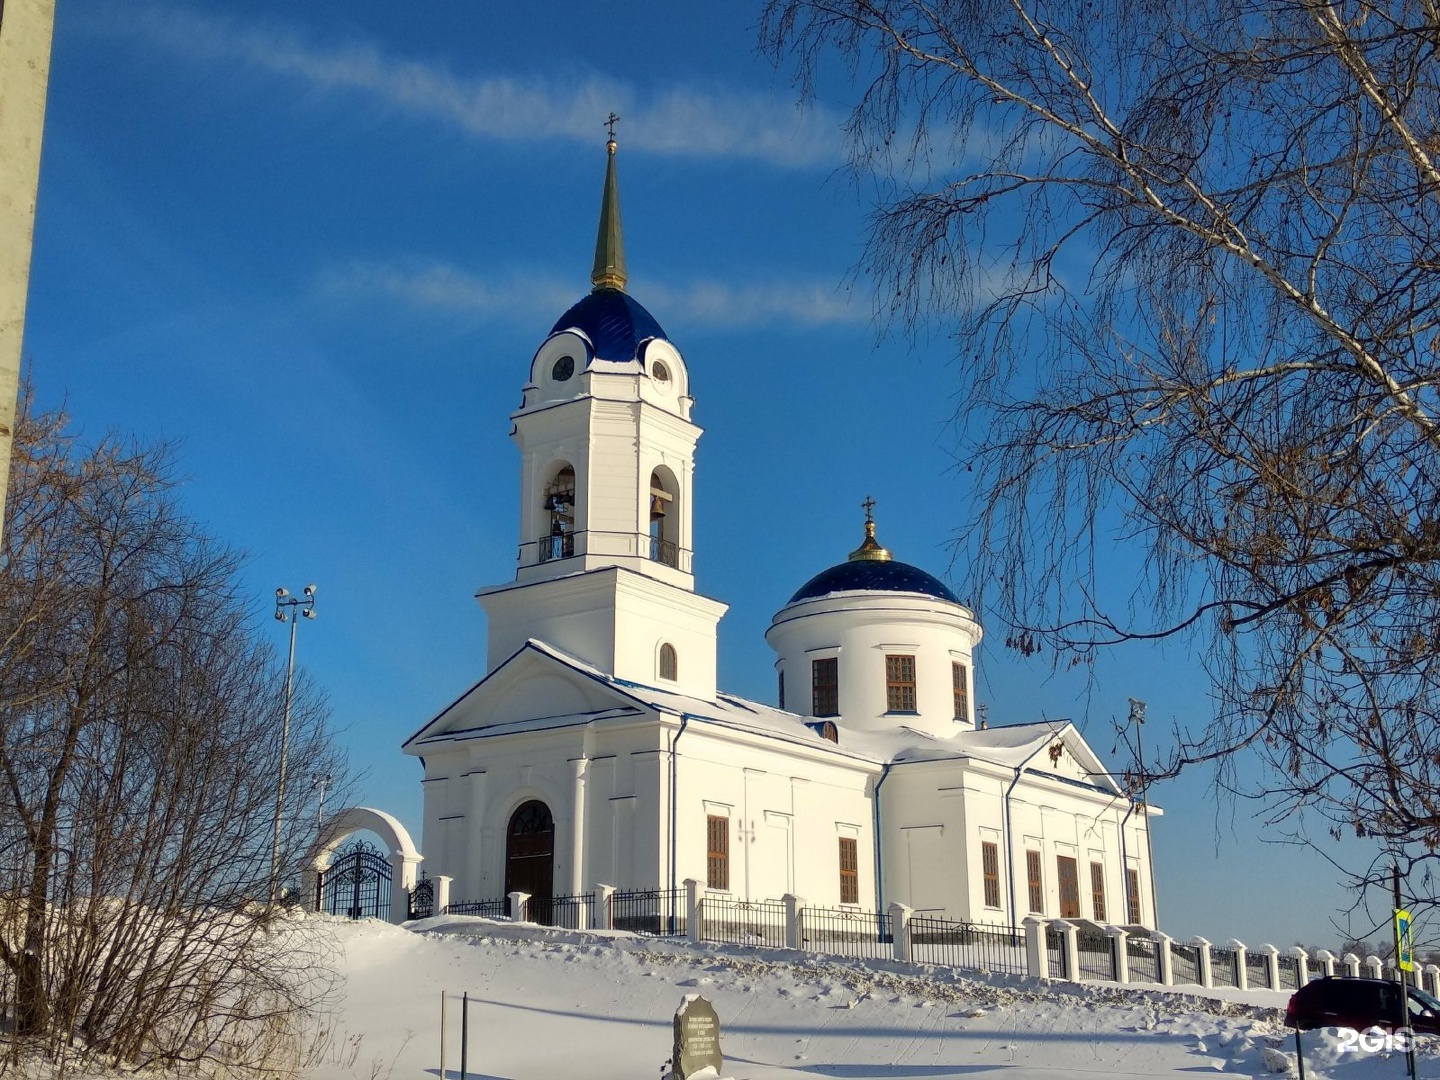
(287, 608)
(1137, 717)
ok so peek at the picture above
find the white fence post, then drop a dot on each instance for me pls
(1375, 966)
(519, 901)
(794, 909)
(693, 930)
(1432, 976)
(1302, 965)
(1164, 962)
(1202, 962)
(442, 893)
(1242, 968)
(1119, 952)
(1070, 945)
(1036, 965)
(603, 915)
(1352, 965)
(900, 927)
(1327, 961)
(1272, 966)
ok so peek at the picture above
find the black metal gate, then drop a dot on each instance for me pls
(357, 882)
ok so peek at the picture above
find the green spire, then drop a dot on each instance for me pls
(609, 271)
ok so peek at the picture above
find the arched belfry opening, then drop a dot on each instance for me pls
(664, 518)
(559, 507)
(530, 856)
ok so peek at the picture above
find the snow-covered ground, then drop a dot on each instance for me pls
(560, 1005)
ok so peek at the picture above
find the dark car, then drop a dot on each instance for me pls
(1362, 1003)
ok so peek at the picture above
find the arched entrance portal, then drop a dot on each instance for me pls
(402, 856)
(530, 857)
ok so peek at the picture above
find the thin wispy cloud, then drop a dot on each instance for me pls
(677, 120)
(439, 287)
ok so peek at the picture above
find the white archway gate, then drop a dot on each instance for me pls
(404, 857)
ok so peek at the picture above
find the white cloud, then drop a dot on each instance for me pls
(532, 300)
(679, 120)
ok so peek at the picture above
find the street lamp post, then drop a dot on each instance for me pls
(1137, 717)
(291, 608)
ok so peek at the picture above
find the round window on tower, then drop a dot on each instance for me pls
(563, 369)
(660, 372)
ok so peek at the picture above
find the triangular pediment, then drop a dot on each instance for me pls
(533, 689)
(1068, 756)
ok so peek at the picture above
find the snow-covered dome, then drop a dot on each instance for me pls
(873, 575)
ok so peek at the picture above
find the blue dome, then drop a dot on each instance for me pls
(873, 575)
(613, 321)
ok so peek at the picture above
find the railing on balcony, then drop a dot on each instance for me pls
(555, 546)
(664, 551)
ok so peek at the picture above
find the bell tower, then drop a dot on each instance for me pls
(607, 449)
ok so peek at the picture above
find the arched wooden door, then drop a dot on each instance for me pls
(530, 857)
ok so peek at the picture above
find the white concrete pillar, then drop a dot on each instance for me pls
(402, 880)
(1302, 965)
(1374, 967)
(794, 912)
(1119, 939)
(1326, 959)
(1163, 960)
(900, 928)
(1070, 947)
(693, 929)
(603, 915)
(1242, 969)
(442, 893)
(1203, 969)
(1272, 966)
(519, 902)
(1432, 979)
(1037, 964)
(1351, 963)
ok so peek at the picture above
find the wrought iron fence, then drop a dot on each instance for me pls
(652, 912)
(422, 899)
(966, 945)
(1185, 963)
(489, 909)
(847, 932)
(1257, 971)
(1223, 967)
(1289, 973)
(1055, 953)
(565, 912)
(1095, 954)
(743, 922)
(1143, 956)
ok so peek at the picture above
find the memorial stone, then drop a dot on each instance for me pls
(697, 1038)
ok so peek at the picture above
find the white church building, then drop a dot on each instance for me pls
(598, 749)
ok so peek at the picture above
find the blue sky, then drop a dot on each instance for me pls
(316, 245)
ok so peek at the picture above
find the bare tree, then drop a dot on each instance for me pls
(139, 720)
(1191, 256)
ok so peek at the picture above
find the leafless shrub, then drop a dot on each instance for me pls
(139, 720)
